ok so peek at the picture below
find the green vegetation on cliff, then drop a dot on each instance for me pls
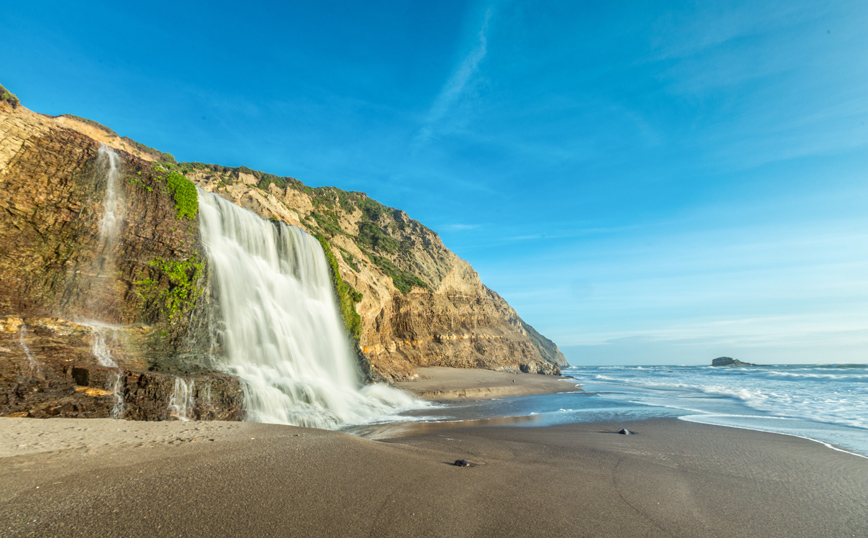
(139, 146)
(182, 190)
(182, 289)
(9, 97)
(376, 231)
(380, 232)
(347, 296)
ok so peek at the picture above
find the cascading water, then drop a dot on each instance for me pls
(113, 204)
(283, 334)
(34, 364)
(100, 349)
(182, 402)
(108, 164)
(117, 390)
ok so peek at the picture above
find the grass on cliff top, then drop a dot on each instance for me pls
(143, 148)
(92, 123)
(9, 97)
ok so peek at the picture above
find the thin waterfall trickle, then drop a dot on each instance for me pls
(113, 203)
(117, 385)
(182, 403)
(103, 299)
(283, 334)
(100, 349)
(33, 363)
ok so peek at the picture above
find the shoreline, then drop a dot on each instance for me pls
(441, 384)
(694, 419)
(672, 477)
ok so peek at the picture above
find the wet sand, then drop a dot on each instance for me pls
(450, 384)
(672, 478)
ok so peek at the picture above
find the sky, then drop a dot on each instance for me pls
(644, 182)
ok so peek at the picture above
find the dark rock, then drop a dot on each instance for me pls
(80, 376)
(625, 431)
(729, 361)
(461, 463)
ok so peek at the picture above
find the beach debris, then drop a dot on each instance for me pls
(461, 463)
(625, 431)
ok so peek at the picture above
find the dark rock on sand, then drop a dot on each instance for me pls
(625, 431)
(461, 463)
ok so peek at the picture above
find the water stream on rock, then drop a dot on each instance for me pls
(100, 349)
(34, 364)
(117, 386)
(108, 164)
(113, 204)
(182, 402)
(283, 334)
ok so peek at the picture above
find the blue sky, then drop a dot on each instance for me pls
(645, 182)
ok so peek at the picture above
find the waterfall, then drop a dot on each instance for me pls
(117, 389)
(100, 349)
(113, 208)
(102, 299)
(282, 331)
(34, 364)
(182, 402)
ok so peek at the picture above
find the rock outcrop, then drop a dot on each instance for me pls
(61, 305)
(729, 361)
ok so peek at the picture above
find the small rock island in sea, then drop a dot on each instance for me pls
(729, 361)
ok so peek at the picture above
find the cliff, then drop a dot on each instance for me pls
(55, 269)
(406, 298)
(420, 304)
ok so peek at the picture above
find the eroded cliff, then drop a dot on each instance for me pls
(420, 303)
(407, 299)
(84, 321)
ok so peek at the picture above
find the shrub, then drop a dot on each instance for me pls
(184, 192)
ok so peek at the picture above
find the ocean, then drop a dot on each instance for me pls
(825, 403)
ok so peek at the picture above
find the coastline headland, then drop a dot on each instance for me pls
(113, 302)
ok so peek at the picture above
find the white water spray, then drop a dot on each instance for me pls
(109, 237)
(34, 364)
(100, 349)
(283, 334)
(116, 388)
(182, 402)
(113, 204)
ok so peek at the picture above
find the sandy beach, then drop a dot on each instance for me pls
(450, 384)
(71, 477)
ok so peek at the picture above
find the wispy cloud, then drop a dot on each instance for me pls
(460, 227)
(457, 84)
(846, 328)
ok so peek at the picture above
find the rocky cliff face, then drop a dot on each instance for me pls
(421, 305)
(129, 341)
(409, 300)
